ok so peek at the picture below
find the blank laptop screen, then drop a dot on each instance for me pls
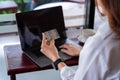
(32, 24)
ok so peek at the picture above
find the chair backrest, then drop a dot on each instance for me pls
(8, 5)
(77, 1)
(8, 24)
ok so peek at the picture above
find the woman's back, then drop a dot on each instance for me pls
(100, 56)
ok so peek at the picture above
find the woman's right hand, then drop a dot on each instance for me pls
(48, 49)
(70, 49)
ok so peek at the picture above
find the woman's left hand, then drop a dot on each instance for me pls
(48, 48)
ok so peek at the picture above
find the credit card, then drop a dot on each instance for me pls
(52, 34)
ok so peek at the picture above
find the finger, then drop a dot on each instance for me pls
(43, 40)
(43, 37)
(65, 51)
(52, 42)
(41, 50)
(64, 46)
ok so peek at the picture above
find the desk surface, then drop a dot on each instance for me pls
(17, 62)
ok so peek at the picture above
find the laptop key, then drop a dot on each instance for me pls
(64, 56)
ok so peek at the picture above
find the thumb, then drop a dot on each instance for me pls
(65, 51)
(52, 42)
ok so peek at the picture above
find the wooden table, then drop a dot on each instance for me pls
(17, 62)
(8, 5)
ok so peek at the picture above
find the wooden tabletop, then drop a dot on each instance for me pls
(17, 62)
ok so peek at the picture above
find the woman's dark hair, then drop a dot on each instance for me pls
(113, 11)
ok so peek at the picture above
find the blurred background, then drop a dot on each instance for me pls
(75, 15)
(26, 5)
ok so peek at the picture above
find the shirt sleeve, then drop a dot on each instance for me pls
(67, 73)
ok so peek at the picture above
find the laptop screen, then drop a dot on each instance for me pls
(32, 24)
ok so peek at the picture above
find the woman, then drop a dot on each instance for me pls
(100, 56)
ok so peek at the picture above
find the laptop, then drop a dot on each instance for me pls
(32, 24)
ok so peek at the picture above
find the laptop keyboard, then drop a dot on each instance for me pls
(64, 56)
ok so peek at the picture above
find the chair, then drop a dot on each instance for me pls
(8, 24)
(77, 1)
(8, 5)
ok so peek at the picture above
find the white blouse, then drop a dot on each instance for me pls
(99, 58)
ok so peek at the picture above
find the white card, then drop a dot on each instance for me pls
(52, 34)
